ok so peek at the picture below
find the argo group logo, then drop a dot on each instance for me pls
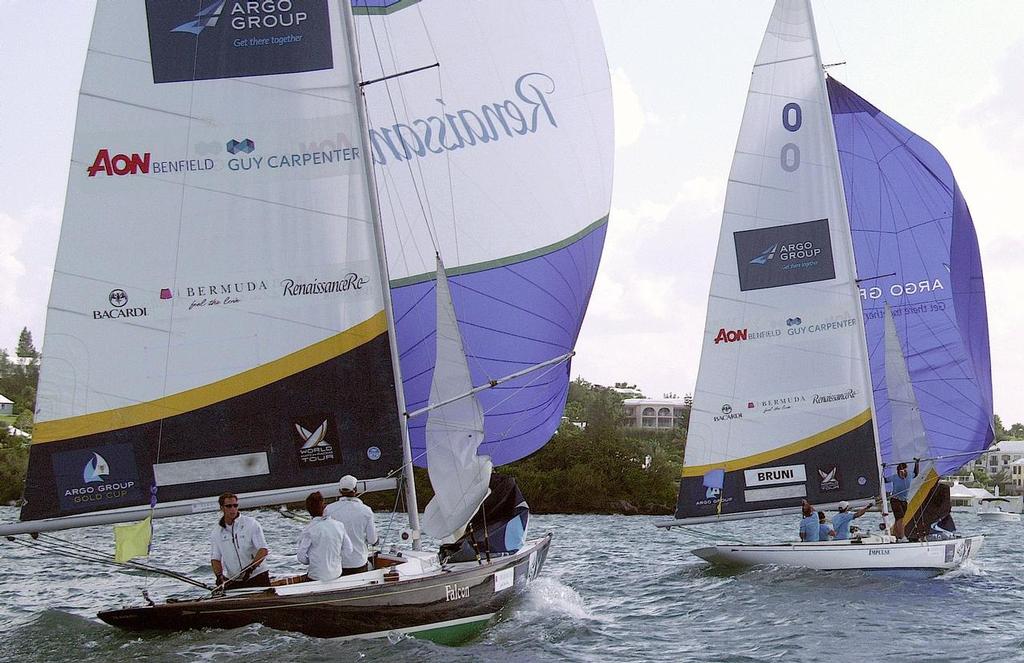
(96, 478)
(784, 255)
(237, 38)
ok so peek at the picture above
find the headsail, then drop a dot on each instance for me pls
(917, 250)
(909, 439)
(506, 148)
(782, 406)
(216, 294)
(454, 430)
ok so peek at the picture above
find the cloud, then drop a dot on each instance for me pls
(629, 113)
(28, 245)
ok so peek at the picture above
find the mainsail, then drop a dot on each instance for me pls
(782, 408)
(917, 251)
(218, 318)
(216, 290)
(506, 148)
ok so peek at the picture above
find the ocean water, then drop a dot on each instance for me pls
(614, 589)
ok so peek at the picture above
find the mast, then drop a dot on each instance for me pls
(845, 223)
(382, 262)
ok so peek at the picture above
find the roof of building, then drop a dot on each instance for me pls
(1009, 447)
(654, 401)
(4, 400)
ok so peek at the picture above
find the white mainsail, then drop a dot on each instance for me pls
(455, 430)
(782, 405)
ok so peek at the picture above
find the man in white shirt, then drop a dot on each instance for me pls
(323, 543)
(238, 549)
(357, 518)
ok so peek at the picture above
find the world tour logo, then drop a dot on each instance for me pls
(237, 38)
(316, 441)
(784, 255)
(96, 478)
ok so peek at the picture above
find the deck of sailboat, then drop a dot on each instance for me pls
(446, 604)
(933, 557)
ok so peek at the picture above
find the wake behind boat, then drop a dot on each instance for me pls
(846, 325)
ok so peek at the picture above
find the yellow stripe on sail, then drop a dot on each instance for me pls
(222, 390)
(917, 501)
(781, 452)
(131, 541)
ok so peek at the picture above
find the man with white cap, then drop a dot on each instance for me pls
(357, 518)
(841, 521)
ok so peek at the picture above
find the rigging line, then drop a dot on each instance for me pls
(401, 73)
(88, 555)
(391, 103)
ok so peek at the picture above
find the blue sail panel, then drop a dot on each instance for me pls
(916, 248)
(511, 316)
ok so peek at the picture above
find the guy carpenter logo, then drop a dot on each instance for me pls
(205, 18)
(118, 298)
(793, 322)
(727, 413)
(829, 481)
(119, 164)
(245, 146)
(315, 445)
(96, 469)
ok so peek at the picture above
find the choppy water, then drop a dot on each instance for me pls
(614, 589)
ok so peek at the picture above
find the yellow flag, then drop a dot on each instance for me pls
(132, 541)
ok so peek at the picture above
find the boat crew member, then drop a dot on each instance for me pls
(238, 548)
(900, 495)
(809, 528)
(357, 518)
(841, 521)
(825, 531)
(324, 543)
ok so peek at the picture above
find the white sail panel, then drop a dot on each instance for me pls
(781, 374)
(459, 476)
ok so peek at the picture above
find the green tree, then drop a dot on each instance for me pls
(1001, 433)
(13, 465)
(25, 346)
(1017, 431)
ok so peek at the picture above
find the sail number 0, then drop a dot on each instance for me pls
(792, 118)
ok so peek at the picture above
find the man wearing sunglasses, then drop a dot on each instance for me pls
(238, 549)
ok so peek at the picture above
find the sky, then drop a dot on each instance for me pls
(947, 70)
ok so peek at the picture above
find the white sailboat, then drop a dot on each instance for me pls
(996, 509)
(790, 395)
(246, 296)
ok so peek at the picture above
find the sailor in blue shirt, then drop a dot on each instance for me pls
(841, 521)
(900, 494)
(824, 529)
(809, 523)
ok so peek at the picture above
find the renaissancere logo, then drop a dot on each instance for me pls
(205, 18)
(96, 469)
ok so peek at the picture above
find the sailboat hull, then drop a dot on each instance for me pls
(448, 606)
(1001, 516)
(933, 557)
